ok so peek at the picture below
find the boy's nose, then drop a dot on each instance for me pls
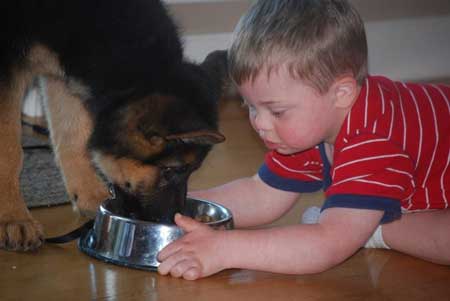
(260, 123)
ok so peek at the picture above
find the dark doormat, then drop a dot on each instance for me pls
(40, 181)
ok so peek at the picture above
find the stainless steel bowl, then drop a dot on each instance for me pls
(136, 243)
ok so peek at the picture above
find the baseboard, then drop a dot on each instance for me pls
(32, 104)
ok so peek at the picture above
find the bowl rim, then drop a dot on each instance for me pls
(104, 211)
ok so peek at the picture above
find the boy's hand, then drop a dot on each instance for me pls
(198, 253)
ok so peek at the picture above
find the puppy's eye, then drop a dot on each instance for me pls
(167, 172)
(181, 169)
(127, 185)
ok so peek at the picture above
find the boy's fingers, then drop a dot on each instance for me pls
(192, 274)
(179, 269)
(187, 224)
(168, 251)
(168, 264)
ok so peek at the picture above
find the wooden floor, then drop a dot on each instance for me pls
(62, 272)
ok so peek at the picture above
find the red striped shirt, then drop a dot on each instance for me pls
(393, 145)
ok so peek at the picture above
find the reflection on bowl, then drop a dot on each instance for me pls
(136, 243)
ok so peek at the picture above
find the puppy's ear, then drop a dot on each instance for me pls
(204, 137)
(216, 66)
(144, 146)
(144, 132)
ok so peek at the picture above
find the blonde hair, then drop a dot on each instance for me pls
(318, 41)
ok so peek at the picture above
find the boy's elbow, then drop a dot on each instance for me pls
(326, 258)
(318, 265)
(326, 261)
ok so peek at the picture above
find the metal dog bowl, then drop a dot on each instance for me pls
(136, 243)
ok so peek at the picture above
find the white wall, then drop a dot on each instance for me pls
(406, 49)
(410, 49)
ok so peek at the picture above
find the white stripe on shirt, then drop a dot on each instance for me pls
(444, 197)
(381, 184)
(369, 159)
(400, 172)
(437, 137)
(405, 127)
(304, 172)
(366, 109)
(363, 142)
(382, 100)
(392, 120)
(419, 151)
(351, 179)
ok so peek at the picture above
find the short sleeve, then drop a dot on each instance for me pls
(300, 172)
(371, 172)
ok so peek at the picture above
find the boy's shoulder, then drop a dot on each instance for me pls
(397, 87)
(395, 111)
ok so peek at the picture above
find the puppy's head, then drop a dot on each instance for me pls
(145, 144)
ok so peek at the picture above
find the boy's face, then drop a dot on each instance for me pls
(288, 115)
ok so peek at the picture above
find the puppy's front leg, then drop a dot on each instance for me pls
(70, 127)
(18, 230)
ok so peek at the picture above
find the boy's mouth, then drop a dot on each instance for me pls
(271, 145)
(279, 147)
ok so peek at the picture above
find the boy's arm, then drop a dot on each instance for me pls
(303, 249)
(296, 249)
(251, 201)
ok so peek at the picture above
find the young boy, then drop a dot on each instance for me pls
(379, 149)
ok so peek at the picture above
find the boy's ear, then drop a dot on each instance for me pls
(345, 90)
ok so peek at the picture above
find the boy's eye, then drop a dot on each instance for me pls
(278, 113)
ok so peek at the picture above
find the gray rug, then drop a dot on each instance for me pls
(40, 181)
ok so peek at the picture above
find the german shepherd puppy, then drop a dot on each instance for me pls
(122, 102)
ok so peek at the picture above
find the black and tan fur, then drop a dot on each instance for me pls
(122, 101)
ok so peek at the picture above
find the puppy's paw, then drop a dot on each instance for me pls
(87, 213)
(88, 202)
(21, 235)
